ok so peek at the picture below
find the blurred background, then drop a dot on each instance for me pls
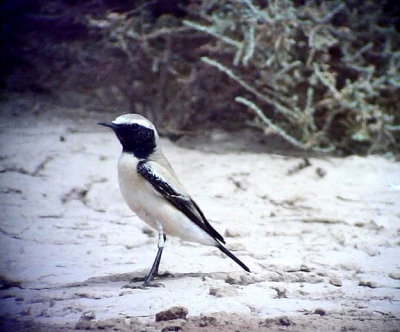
(319, 75)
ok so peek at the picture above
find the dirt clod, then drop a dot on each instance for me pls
(320, 312)
(171, 328)
(172, 313)
(370, 284)
(320, 172)
(85, 325)
(335, 282)
(305, 268)
(207, 320)
(285, 321)
(106, 324)
(394, 275)
(281, 292)
(88, 315)
(223, 291)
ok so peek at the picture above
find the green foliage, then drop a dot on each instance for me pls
(323, 75)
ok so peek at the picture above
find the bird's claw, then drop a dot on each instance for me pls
(143, 286)
(156, 276)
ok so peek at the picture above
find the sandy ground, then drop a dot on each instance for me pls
(322, 241)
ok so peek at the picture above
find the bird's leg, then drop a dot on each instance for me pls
(166, 274)
(157, 262)
(154, 269)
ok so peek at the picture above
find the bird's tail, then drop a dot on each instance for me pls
(229, 254)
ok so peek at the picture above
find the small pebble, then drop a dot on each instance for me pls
(236, 247)
(88, 315)
(320, 172)
(222, 291)
(207, 320)
(394, 275)
(335, 282)
(232, 233)
(285, 321)
(148, 231)
(280, 292)
(369, 284)
(304, 268)
(320, 312)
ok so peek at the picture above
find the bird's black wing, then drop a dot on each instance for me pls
(155, 175)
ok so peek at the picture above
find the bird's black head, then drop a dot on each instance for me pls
(136, 134)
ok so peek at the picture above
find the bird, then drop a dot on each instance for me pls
(154, 193)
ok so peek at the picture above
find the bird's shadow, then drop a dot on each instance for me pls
(131, 278)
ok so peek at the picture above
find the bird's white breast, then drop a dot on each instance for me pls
(154, 209)
(134, 188)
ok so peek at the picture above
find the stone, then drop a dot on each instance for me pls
(85, 325)
(284, 321)
(223, 291)
(335, 282)
(305, 268)
(172, 313)
(320, 312)
(370, 284)
(394, 275)
(232, 233)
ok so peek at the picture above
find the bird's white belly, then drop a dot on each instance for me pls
(151, 207)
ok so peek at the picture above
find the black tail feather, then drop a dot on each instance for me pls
(229, 254)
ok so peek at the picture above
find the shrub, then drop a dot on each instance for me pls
(324, 75)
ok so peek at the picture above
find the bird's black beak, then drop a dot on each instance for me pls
(108, 124)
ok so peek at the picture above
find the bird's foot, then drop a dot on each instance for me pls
(156, 276)
(145, 285)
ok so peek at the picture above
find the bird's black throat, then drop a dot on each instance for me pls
(136, 139)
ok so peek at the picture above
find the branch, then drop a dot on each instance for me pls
(280, 107)
(269, 123)
(212, 32)
(280, 131)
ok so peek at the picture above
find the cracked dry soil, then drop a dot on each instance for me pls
(321, 237)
